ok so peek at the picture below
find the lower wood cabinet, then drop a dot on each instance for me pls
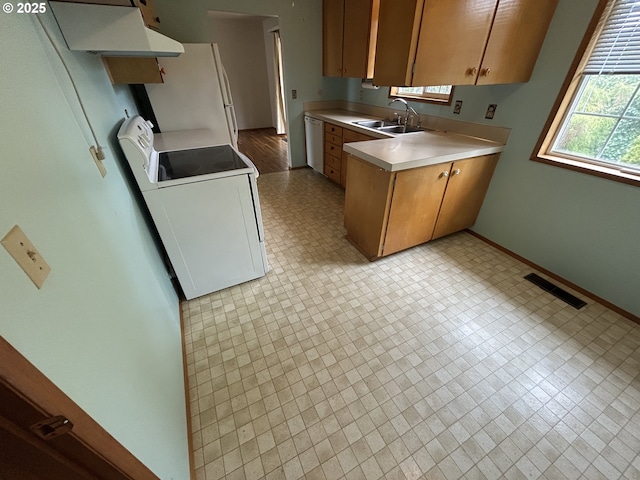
(413, 211)
(332, 151)
(386, 212)
(335, 160)
(468, 183)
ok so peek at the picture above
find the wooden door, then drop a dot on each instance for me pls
(20, 460)
(453, 35)
(366, 205)
(518, 32)
(87, 451)
(332, 25)
(468, 183)
(415, 204)
(398, 29)
(359, 37)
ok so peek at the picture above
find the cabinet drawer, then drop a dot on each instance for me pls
(335, 139)
(333, 162)
(331, 149)
(351, 136)
(332, 174)
(333, 129)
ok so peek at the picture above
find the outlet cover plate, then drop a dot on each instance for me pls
(96, 158)
(26, 256)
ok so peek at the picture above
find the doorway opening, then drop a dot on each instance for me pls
(251, 50)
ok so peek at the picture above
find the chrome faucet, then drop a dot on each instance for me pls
(408, 110)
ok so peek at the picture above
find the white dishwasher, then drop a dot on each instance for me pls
(314, 136)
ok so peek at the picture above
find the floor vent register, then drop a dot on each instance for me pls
(556, 291)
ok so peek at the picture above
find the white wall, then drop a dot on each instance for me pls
(581, 227)
(242, 49)
(105, 325)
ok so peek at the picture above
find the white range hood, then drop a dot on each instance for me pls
(111, 31)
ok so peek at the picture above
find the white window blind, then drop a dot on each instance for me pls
(617, 50)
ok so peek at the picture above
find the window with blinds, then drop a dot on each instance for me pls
(598, 123)
(617, 49)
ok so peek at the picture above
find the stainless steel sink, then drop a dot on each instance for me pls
(376, 124)
(400, 129)
(388, 127)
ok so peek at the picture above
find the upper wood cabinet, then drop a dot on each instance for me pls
(517, 34)
(459, 42)
(148, 12)
(349, 32)
(132, 70)
(136, 70)
(121, 3)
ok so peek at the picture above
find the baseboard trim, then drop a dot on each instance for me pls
(569, 284)
(192, 463)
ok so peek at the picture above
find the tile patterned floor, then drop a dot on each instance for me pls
(440, 362)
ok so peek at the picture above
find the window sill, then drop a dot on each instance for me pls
(590, 169)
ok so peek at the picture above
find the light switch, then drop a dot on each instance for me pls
(26, 256)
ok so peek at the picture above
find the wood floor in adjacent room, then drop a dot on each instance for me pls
(266, 149)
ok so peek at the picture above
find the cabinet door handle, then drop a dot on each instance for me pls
(445, 174)
(486, 72)
(472, 71)
(457, 171)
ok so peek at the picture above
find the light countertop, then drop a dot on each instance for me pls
(410, 150)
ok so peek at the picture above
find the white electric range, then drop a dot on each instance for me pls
(203, 199)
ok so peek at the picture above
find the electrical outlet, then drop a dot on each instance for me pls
(319, 92)
(491, 111)
(458, 107)
(294, 94)
(26, 256)
(361, 94)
